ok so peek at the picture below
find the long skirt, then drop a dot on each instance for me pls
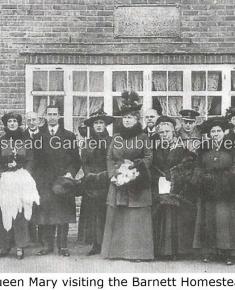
(128, 234)
(17, 236)
(174, 230)
(91, 220)
(215, 225)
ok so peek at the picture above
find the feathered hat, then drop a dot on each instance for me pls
(130, 102)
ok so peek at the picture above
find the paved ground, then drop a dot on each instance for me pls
(78, 262)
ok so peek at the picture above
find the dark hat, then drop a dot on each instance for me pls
(11, 115)
(189, 115)
(222, 122)
(64, 186)
(99, 115)
(130, 102)
(165, 119)
(230, 112)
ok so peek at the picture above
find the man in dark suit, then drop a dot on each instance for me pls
(151, 116)
(32, 132)
(60, 157)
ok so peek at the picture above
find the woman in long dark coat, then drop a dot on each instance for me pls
(17, 188)
(128, 228)
(215, 222)
(94, 165)
(175, 213)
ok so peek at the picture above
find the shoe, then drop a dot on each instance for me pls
(44, 252)
(94, 251)
(64, 252)
(205, 260)
(228, 262)
(19, 253)
(4, 252)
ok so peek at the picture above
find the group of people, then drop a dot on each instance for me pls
(162, 192)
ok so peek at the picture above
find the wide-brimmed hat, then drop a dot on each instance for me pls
(165, 119)
(99, 115)
(207, 125)
(230, 112)
(130, 102)
(11, 115)
(189, 115)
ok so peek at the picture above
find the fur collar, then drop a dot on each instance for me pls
(127, 133)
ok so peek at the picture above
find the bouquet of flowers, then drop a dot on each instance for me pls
(125, 173)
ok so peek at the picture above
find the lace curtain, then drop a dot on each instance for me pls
(119, 81)
(96, 81)
(175, 104)
(135, 80)
(214, 105)
(80, 81)
(199, 104)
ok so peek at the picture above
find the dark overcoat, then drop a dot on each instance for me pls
(215, 222)
(137, 149)
(175, 217)
(59, 156)
(93, 205)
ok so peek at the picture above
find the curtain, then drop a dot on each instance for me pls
(199, 81)
(214, 81)
(80, 81)
(214, 105)
(175, 104)
(119, 81)
(59, 102)
(199, 104)
(95, 103)
(40, 105)
(96, 81)
(159, 81)
(160, 102)
(56, 81)
(233, 80)
(175, 81)
(135, 80)
(40, 80)
(79, 106)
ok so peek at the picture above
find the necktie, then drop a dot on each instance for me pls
(52, 132)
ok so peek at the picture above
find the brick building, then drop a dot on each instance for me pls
(81, 53)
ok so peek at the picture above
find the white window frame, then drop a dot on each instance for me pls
(147, 92)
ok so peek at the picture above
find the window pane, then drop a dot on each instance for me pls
(80, 106)
(160, 102)
(159, 81)
(199, 104)
(95, 103)
(135, 80)
(175, 104)
(117, 103)
(96, 81)
(214, 105)
(232, 101)
(214, 81)
(175, 81)
(198, 81)
(119, 83)
(233, 80)
(77, 122)
(80, 81)
(58, 101)
(40, 104)
(40, 80)
(56, 81)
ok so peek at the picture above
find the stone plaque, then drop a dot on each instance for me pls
(147, 21)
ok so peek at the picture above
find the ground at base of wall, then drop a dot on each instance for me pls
(78, 262)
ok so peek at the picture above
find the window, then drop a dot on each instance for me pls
(79, 90)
